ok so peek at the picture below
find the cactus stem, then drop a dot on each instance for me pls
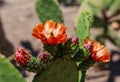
(82, 75)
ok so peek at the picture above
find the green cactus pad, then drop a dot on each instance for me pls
(101, 4)
(59, 71)
(115, 6)
(83, 24)
(113, 37)
(48, 10)
(79, 1)
(8, 73)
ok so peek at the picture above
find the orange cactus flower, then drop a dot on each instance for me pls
(50, 33)
(99, 52)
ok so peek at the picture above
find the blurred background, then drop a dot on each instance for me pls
(18, 17)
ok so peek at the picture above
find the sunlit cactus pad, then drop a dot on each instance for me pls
(8, 73)
(60, 71)
(48, 9)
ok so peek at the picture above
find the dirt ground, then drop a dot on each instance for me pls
(18, 18)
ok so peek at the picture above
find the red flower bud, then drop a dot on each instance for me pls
(22, 57)
(74, 40)
(44, 56)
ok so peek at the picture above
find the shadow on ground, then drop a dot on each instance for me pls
(27, 45)
(114, 67)
(6, 48)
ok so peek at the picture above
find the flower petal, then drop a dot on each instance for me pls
(101, 52)
(96, 46)
(106, 57)
(62, 28)
(61, 38)
(52, 40)
(50, 24)
(37, 29)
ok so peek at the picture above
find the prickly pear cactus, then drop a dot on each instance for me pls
(8, 72)
(48, 9)
(63, 59)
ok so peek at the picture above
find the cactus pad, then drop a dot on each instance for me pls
(48, 10)
(8, 72)
(60, 71)
(83, 24)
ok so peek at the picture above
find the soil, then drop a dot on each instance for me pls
(18, 18)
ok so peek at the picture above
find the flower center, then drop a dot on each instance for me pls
(51, 31)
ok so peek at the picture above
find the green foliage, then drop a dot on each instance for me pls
(117, 42)
(97, 4)
(107, 3)
(95, 10)
(59, 71)
(48, 10)
(80, 1)
(83, 24)
(103, 4)
(115, 6)
(113, 37)
(8, 73)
